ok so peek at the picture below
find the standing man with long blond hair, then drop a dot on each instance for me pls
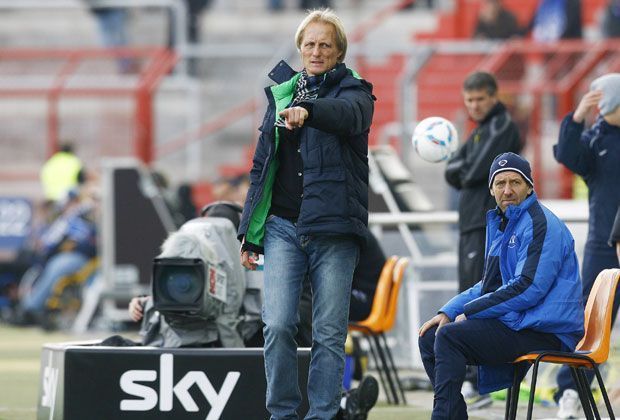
(307, 211)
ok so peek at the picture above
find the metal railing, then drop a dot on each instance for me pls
(177, 8)
(547, 79)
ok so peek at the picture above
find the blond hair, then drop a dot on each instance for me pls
(324, 16)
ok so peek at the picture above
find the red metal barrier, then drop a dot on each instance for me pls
(153, 65)
(560, 70)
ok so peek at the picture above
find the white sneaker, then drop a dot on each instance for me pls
(473, 399)
(467, 390)
(569, 403)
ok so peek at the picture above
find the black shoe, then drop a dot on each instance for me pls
(361, 399)
(21, 318)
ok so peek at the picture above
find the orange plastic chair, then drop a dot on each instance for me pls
(591, 351)
(390, 318)
(397, 280)
(373, 324)
(381, 320)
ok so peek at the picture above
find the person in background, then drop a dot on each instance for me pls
(495, 21)
(467, 171)
(610, 24)
(556, 19)
(528, 299)
(234, 188)
(66, 246)
(593, 154)
(307, 211)
(192, 30)
(278, 5)
(112, 24)
(186, 206)
(62, 172)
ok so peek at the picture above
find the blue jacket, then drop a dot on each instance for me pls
(72, 231)
(334, 151)
(531, 281)
(594, 154)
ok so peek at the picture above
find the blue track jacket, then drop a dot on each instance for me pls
(531, 281)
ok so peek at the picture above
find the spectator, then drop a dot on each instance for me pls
(27, 258)
(232, 188)
(171, 198)
(556, 19)
(277, 5)
(307, 211)
(610, 26)
(529, 298)
(67, 245)
(495, 21)
(467, 171)
(593, 154)
(61, 173)
(187, 208)
(194, 13)
(112, 23)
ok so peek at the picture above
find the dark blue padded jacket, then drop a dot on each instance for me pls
(334, 151)
(594, 154)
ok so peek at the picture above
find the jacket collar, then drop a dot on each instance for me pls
(282, 72)
(514, 212)
(497, 109)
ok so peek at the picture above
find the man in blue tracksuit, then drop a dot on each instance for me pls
(529, 297)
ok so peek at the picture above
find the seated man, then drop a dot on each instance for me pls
(66, 246)
(529, 297)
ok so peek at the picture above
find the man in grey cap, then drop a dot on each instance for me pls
(593, 154)
(529, 297)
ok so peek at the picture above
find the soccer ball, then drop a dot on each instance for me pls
(435, 139)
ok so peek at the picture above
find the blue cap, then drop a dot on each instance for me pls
(511, 162)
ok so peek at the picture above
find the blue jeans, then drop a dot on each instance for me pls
(329, 262)
(59, 266)
(471, 342)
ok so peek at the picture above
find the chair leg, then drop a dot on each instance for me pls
(585, 402)
(601, 385)
(386, 368)
(393, 368)
(530, 404)
(588, 391)
(507, 413)
(512, 397)
(375, 358)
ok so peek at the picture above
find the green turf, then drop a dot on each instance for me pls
(20, 350)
